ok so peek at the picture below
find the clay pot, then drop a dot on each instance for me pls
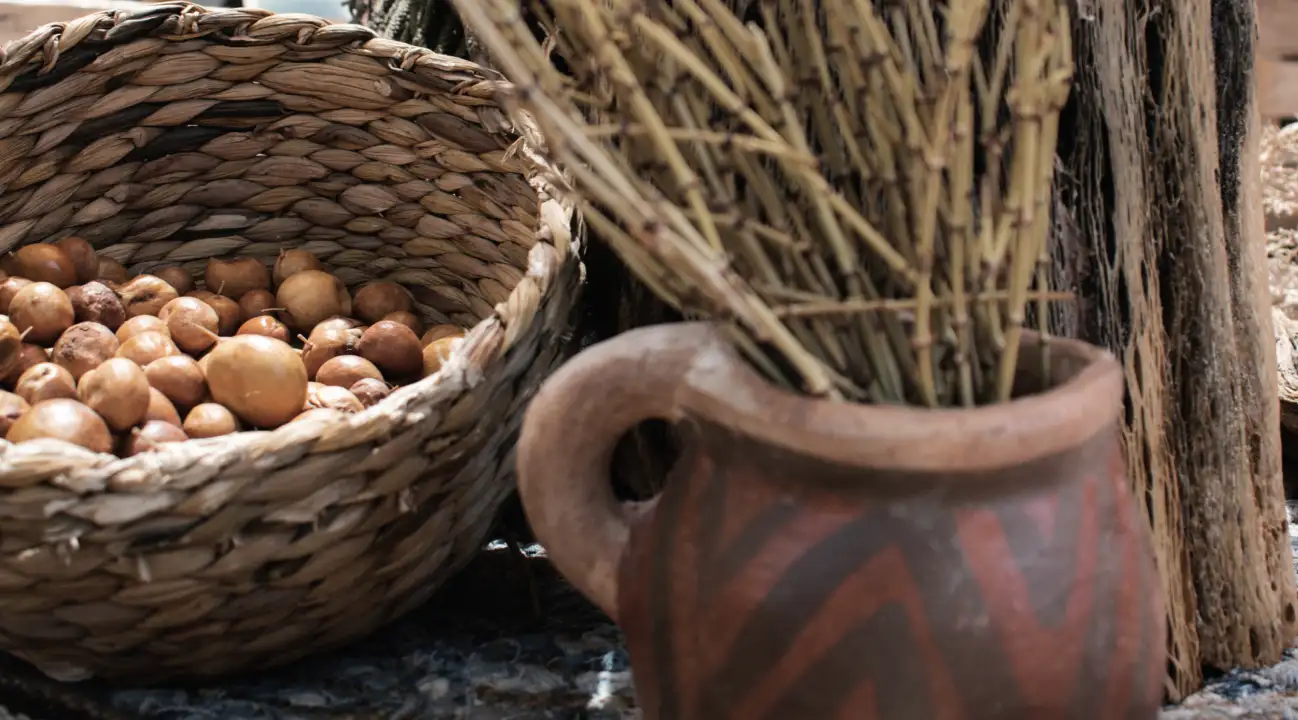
(817, 559)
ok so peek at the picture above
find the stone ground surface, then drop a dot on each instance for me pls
(510, 642)
(487, 653)
(1270, 692)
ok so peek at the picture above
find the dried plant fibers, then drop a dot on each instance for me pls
(861, 193)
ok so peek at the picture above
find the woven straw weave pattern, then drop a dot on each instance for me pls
(179, 133)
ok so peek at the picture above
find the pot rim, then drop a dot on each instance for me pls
(722, 388)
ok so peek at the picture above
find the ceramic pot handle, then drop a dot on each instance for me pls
(567, 441)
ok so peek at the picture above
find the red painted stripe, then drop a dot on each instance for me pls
(881, 580)
(1005, 590)
(743, 506)
(732, 604)
(685, 588)
(861, 704)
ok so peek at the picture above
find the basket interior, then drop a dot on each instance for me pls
(417, 194)
(170, 150)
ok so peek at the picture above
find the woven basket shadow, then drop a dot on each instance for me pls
(178, 133)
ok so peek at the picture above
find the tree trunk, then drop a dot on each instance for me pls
(1159, 228)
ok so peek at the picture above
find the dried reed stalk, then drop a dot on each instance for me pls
(861, 188)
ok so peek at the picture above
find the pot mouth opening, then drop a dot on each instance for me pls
(1047, 416)
(1063, 361)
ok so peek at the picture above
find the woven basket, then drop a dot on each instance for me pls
(178, 133)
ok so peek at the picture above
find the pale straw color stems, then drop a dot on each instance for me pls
(860, 188)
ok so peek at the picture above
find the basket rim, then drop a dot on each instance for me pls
(484, 346)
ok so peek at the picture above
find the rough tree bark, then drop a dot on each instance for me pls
(1159, 228)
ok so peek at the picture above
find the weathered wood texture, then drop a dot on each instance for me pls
(1159, 213)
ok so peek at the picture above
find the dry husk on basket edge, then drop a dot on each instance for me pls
(151, 132)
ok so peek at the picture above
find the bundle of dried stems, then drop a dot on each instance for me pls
(861, 188)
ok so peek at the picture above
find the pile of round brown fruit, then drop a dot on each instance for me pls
(115, 363)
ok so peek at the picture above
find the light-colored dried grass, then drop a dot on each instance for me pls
(860, 191)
